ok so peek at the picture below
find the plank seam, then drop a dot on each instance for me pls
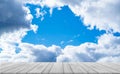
(13, 67)
(31, 68)
(44, 68)
(82, 67)
(109, 67)
(70, 67)
(91, 68)
(50, 68)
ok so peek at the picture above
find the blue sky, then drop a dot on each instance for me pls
(60, 28)
(60, 31)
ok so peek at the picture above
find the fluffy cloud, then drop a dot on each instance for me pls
(13, 16)
(102, 14)
(106, 50)
(41, 52)
(29, 53)
(77, 53)
(109, 59)
(14, 50)
(46, 3)
(34, 28)
(15, 21)
(40, 14)
(9, 43)
(107, 47)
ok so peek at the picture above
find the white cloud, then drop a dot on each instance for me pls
(107, 47)
(77, 36)
(109, 59)
(29, 52)
(52, 3)
(9, 42)
(102, 14)
(35, 2)
(13, 37)
(41, 53)
(107, 50)
(77, 53)
(62, 42)
(40, 13)
(70, 41)
(105, 15)
(13, 16)
(34, 28)
(46, 3)
(15, 21)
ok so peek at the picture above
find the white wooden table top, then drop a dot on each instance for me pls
(60, 68)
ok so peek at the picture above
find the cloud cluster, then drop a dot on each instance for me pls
(102, 14)
(107, 50)
(9, 43)
(40, 13)
(13, 16)
(28, 53)
(16, 19)
(14, 50)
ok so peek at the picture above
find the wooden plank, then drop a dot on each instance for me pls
(106, 69)
(48, 68)
(57, 68)
(67, 69)
(5, 65)
(111, 66)
(15, 70)
(11, 67)
(76, 68)
(60, 68)
(87, 67)
(100, 69)
(28, 68)
(0, 68)
(38, 69)
(117, 64)
(97, 68)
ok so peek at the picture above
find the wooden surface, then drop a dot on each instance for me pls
(60, 68)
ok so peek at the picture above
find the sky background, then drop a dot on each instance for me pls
(60, 31)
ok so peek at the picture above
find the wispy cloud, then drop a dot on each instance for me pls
(62, 42)
(70, 41)
(40, 14)
(77, 36)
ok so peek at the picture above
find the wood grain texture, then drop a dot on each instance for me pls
(67, 68)
(60, 68)
(57, 68)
